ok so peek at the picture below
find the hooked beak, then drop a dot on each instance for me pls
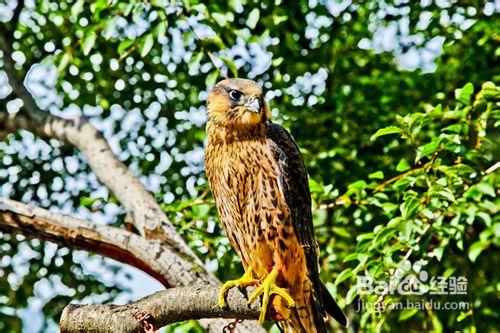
(253, 104)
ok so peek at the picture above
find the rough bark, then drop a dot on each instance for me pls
(173, 305)
(110, 242)
(143, 210)
(164, 307)
(180, 266)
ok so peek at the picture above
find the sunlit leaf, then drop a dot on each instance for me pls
(346, 273)
(88, 43)
(476, 249)
(376, 175)
(109, 28)
(212, 79)
(148, 45)
(386, 131)
(253, 18)
(220, 19)
(407, 314)
(403, 165)
(464, 94)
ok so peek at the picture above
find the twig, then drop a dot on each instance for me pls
(492, 168)
(394, 179)
(337, 202)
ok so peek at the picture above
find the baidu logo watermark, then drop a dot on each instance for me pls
(412, 279)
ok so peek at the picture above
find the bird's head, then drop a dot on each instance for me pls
(237, 103)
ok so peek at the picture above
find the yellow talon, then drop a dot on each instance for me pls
(267, 288)
(246, 280)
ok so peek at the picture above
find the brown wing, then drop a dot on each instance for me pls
(295, 188)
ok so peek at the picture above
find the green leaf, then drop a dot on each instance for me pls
(464, 94)
(212, 79)
(436, 324)
(428, 149)
(407, 314)
(458, 169)
(88, 202)
(253, 18)
(65, 59)
(485, 217)
(124, 45)
(77, 8)
(278, 61)
(215, 40)
(476, 249)
(195, 59)
(278, 19)
(220, 19)
(88, 43)
(464, 315)
(351, 294)
(361, 257)
(386, 131)
(447, 194)
(409, 207)
(438, 252)
(109, 28)
(486, 189)
(365, 236)
(358, 186)
(455, 128)
(403, 165)
(438, 110)
(161, 31)
(407, 228)
(148, 45)
(376, 175)
(230, 65)
(342, 232)
(346, 273)
(383, 235)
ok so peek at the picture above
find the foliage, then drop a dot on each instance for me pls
(396, 156)
(438, 208)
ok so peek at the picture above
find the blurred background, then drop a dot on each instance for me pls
(334, 74)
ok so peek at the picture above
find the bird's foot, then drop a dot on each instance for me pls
(267, 288)
(246, 280)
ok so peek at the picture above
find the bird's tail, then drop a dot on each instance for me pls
(331, 307)
(308, 316)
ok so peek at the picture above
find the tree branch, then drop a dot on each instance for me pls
(164, 307)
(111, 242)
(145, 213)
(180, 265)
(143, 209)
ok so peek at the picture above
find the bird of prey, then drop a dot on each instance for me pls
(259, 182)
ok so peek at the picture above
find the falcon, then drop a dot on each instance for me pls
(259, 181)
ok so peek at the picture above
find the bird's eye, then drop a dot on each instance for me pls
(235, 95)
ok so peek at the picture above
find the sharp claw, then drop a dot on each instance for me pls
(267, 288)
(222, 296)
(246, 280)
